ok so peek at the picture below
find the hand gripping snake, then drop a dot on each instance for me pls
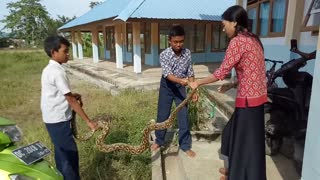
(104, 122)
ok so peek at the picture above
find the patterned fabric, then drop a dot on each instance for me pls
(179, 66)
(246, 56)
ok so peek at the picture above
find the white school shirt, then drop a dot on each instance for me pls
(54, 85)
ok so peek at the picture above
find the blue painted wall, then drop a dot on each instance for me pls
(128, 57)
(149, 60)
(282, 53)
(107, 55)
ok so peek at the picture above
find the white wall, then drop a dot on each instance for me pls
(311, 167)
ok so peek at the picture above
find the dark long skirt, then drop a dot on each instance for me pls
(243, 143)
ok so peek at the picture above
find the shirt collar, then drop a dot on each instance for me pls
(172, 54)
(55, 63)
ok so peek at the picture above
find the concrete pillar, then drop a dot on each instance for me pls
(95, 46)
(294, 20)
(74, 45)
(79, 40)
(311, 159)
(155, 43)
(242, 3)
(119, 46)
(136, 47)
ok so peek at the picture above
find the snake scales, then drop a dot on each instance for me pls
(104, 127)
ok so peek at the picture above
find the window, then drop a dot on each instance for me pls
(129, 37)
(195, 37)
(163, 36)
(312, 18)
(267, 18)
(145, 37)
(200, 30)
(252, 15)
(189, 41)
(219, 40)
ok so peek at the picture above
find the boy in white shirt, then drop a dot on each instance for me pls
(57, 102)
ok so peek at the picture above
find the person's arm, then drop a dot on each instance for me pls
(230, 60)
(76, 106)
(182, 81)
(195, 96)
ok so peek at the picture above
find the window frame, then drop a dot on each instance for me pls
(313, 28)
(219, 41)
(195, 30)
(129, 26)
(256, 4)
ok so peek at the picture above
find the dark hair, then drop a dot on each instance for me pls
(239, 15)
(176, 30)
(53, 43)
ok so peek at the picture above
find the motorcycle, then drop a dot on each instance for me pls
(23, 163)
(286, 112)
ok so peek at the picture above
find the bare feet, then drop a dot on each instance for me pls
(223, 171)
(223, 177)
(190, 153)
(154, 147)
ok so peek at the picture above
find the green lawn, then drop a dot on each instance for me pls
(20, 101)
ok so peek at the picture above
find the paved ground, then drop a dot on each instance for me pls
(172, 164)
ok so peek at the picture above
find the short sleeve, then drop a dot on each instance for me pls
(232, 57)
(165, 65)
(62, 83)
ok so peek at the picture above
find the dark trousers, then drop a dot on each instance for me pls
(168, 93)
(65, 149)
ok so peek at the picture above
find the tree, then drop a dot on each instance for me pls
(27, 20)
(94, 4)
(54, 24)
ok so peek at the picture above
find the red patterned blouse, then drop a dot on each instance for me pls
(245, 54)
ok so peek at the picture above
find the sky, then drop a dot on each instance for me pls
(68, 8)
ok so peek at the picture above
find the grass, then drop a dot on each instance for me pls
(20, 101)
(131, 110)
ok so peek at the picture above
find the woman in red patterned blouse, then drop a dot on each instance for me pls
(243, 141)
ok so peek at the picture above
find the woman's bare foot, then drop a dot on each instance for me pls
(190, 153)
(154, 147)
(223, 171)
(223, 177)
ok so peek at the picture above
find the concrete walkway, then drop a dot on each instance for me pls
(171, 163)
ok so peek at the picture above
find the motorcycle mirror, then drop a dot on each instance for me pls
(293, 44)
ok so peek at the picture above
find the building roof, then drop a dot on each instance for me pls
(153, 9)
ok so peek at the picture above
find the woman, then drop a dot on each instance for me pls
(242, 144)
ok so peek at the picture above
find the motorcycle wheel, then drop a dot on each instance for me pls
(273, 141)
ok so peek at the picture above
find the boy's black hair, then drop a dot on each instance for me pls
(176, 30)
(53, 43)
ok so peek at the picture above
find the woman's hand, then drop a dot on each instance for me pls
(184, 82)
(194, 85)
(225, 87)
